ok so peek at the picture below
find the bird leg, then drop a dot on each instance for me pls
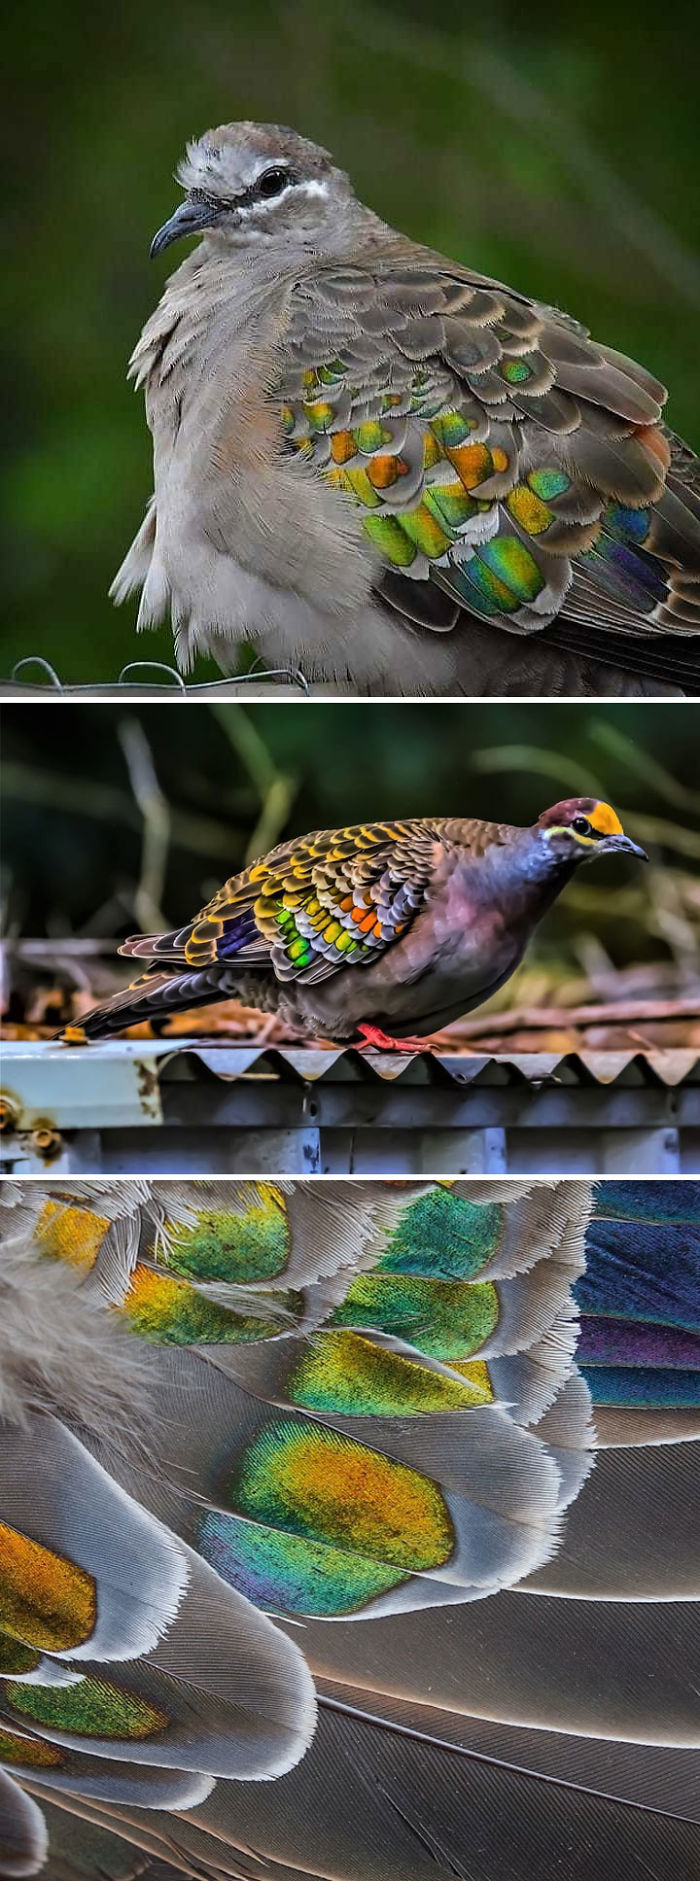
(376, 1040)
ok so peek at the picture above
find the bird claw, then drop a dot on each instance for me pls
(376, 1040)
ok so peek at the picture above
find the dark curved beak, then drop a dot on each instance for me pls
(623, 845)
(189, 219)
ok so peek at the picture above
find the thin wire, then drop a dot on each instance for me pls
(35, 659)
(257, 672)
(151, 666)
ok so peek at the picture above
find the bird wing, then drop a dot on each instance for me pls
(333, 899)
(492, 446)
(370, 1411)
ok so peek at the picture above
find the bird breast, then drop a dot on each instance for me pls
(457, 950)
(469, 936)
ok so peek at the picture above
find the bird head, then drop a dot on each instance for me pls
(253, 183)
(581, 827)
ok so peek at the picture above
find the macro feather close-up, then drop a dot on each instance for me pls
(326, 1537)
(350, 944)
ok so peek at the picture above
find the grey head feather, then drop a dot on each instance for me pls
(248, 183)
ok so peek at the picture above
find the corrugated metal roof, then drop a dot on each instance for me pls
(105, 1081)
(602, 1067)
(128, 1106)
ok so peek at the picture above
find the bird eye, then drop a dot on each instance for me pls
(272, 182)
(580, 826)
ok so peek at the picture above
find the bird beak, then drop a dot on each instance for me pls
(623, 845)
(189, 219)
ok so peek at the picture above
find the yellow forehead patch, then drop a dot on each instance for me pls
(606, 820)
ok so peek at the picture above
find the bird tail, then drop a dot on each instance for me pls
(134, 569)
(154, 995)
(462, 1473)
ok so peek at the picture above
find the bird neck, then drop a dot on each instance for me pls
(221, 288)
(523, 874)
(234, 268)
(212, 298)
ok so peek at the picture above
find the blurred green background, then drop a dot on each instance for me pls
(558, 152)
(126, 817)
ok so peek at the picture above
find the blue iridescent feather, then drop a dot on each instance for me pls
(640, 1295)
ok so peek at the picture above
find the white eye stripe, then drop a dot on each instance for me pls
(305, 187)
(310, 188)
(205, 167)
(313, 188)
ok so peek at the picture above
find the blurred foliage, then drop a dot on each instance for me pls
(557, 152)
(124, 817)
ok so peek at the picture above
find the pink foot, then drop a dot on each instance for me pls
(379, 1041)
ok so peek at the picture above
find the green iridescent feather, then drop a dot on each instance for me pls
(225, 1245)
(345, 1373)
(443, 1235)
(92, 1708)
(290, 1573)
(15, 1657)
(169, 1312)
(445, 1319)
(318, 1484)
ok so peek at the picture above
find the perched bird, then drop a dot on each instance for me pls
(436, 912)
(349, 1531)
(369, 460)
